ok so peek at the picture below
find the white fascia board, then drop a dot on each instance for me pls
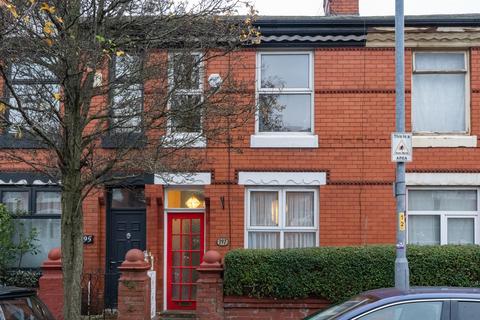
(282, 178)
(442, 179)
(187, 178)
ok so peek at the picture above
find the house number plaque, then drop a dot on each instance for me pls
(87, 238)
(222, 242)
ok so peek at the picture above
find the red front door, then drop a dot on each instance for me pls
(185, 252)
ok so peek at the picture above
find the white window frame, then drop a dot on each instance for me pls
(198, 137)
(445, 215)
(284, 139)
(281, 228)
(465, 71)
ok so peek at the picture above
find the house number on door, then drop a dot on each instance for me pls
(128, 236)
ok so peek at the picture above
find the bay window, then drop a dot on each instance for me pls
(282, 218)
(39, 209)
(442, 216)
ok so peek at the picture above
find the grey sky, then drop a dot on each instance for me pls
(369, 7)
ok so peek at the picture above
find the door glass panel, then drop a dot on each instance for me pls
(186, 275)
(186, 259)
(125, 198)
(186, 242)
(176, 292)
(176, 242)
(461, 230)
(185, 292)
(196, 243)
(177, 259)
(195, 258)
(176, 275)
(408, 311)
(186, 226)
(195, 225)
(176, 226)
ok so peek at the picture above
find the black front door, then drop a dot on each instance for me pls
(126, 230)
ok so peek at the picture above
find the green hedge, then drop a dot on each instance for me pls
(20, 278)
(336, 273)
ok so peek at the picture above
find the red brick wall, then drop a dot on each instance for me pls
(241, 308)
(354, 116)
(340, 7)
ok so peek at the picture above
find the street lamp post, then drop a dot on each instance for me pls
(401, 263)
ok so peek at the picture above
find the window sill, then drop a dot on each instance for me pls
(185, 140)
(445, 141)
(283, 141)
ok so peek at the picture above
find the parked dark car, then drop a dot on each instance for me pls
(22, 304)
(419, 303)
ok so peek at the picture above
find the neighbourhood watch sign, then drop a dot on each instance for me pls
(401, 147)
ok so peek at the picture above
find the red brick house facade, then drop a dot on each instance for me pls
(322, 175)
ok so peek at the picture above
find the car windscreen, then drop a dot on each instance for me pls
(339, 309)
(23, 308)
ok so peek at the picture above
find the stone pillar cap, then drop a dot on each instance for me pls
(212, 260)
(134, 260)
(54, 259)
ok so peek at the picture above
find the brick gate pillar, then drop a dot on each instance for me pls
(134, 287)
(210, 287)
(50, 283)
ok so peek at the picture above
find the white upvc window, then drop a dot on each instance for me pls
(186, 84)
(285, 92)
(284, 87)
(442, 216)
(281, 218)
(440, 93)
(38, 90)
(127, 94)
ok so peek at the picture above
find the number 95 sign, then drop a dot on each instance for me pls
(87, 238)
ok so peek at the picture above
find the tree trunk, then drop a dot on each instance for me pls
(72, 245)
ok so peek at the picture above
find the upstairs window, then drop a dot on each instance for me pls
(127, 94)
(285, 92)
(186, 84)
(38, 90)
(440, 93)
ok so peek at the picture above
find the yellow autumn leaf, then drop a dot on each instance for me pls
(120, 53)
(59, 19)
(49, 42)
(32, 2)
(48, 27)
(13, 10)
(47, 8)
(57, 96)
(3, 107)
